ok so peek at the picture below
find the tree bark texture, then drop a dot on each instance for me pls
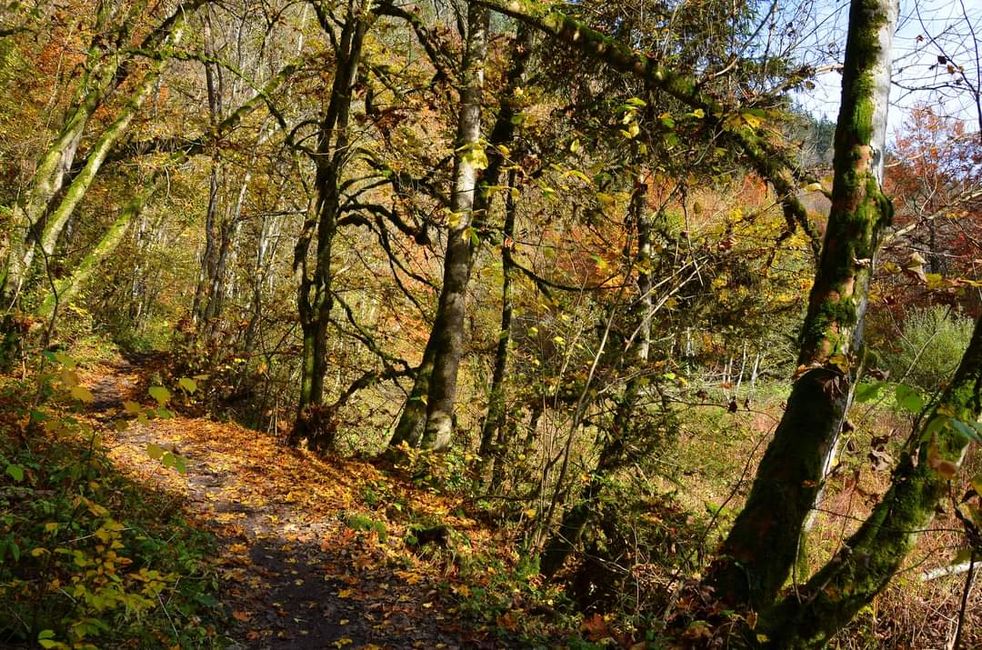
(790, 474)
(874, 554)
(36, 221)
(314, 299)
(446, 340)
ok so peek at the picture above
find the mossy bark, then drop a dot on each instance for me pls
(104, 71)
(68, 288)
(790, 474)
(871, 557)
(59, 216)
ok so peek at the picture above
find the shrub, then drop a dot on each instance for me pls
(929, 348)
(89, 558)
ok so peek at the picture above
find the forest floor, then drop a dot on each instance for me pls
(313, 551)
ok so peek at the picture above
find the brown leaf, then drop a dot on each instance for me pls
(595, 627)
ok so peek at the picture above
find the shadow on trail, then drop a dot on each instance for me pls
(293, 574)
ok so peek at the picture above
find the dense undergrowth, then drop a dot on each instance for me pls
(88, 558)
(95, 557)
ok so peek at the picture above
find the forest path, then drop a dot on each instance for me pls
(304, 562)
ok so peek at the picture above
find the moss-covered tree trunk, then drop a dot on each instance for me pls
(757, 556)
(60, 215)
(871, 557)
(446, 341)
(34, 218)
(314, 298)
(66, 289)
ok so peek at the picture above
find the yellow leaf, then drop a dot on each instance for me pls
(752, 120)
(82, 394)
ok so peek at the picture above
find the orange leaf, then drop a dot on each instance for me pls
(595, 627)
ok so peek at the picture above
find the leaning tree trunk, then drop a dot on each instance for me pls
(59, 217)
(104, 72)
(66, 289)
(314, 295)
(790, 474)
(445, 344)
(871, 557)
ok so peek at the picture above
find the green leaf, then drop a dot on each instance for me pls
(909, 399)
(161, 394)
(475, 156)
(188, 384)
(867, 392)
(177, 462)
(966, 430)
(15, 472)
(46, 639)
(155, 451)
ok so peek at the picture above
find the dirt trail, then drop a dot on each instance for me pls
(293, 573)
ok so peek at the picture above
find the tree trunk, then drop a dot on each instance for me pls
(446, 337)
(314, 299)
(492, 432)
(493, 442)
(56, 221)
(66, 290)
(790, 474)
(871, 557)
(104, 72)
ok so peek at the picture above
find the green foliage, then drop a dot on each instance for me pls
(930, 346)
(89, 559)
(367, 524)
